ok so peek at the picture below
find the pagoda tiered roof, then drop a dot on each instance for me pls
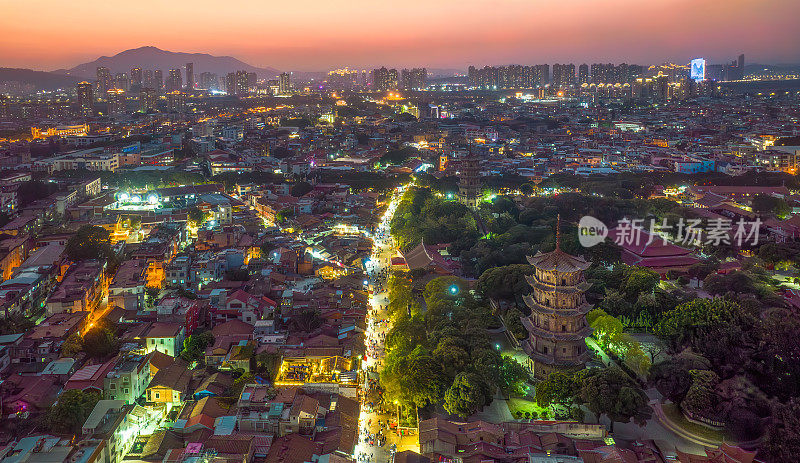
(556, 335)
(582, 309)
(558, 261)
(581, 287)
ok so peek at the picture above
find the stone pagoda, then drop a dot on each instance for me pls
(557, 325)
(469, 182)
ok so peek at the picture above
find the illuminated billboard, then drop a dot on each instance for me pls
(698, 69)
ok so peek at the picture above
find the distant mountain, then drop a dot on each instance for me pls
(40, 79)
(155, 58)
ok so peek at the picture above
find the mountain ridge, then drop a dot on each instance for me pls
(152, 57)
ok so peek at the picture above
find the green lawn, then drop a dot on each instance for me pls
(522, 404)
(673, 413)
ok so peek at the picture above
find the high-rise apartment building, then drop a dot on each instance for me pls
(136, 78)
(176, 101)
(563, 75)
(174, 81)
(147, 79)
(239, 82)
(189, 76)
(104, 80)
(147, 100)
(116, 100)
(384, 79)
(121, 81)
(513, 76)
(413, 78)
(284, 83)
(583, 74)
(158, 80)
(208, 81)
(342, 79)
(85, 98)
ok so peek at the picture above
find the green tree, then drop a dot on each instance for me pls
(701, 398)
(504, 282)
(691, 318)
(70, 412)
(465, 396)
(610, 392)
(558, 389)
(89, 242)
(195, 216)
(639, 280)
(765, 204)
(782, 441)
(607, 329)
(513, 376)
(514, 324)
(194, 347)
(101, 341)
(242, 381)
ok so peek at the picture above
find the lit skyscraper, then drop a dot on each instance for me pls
(158, 80)
(284, 83)
(85, 98)
(174, 80)
(583, 74)
(136, 78)
(413, 78)
(384, 79)
(189, 76)
(104, 80)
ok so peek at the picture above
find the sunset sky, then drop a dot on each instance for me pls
(315, 35)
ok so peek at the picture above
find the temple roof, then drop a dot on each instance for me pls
(558, 261)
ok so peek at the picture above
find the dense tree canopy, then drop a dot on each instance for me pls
(89, 242)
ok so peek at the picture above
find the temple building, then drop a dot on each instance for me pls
(557, 325)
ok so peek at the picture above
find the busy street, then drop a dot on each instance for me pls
(379, 437)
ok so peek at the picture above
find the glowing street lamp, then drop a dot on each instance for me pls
(453, 289)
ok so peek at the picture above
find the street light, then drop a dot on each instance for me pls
(453, 289)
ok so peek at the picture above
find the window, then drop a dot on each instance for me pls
(158, 395)
(126, 391)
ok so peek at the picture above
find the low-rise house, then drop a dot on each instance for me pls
(170, 385)
(82, 289)
(127, 289)
(128, 379)
(166, 338)
(113, 425)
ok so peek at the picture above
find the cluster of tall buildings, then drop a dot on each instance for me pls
(346, 79)
(408, 79)
(562, 75)
(567, 75)
(728, 71)
(509, 76)
(148, 84)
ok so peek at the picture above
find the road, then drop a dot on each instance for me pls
(373, 424)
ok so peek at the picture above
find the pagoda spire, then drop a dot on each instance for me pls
(558, 233)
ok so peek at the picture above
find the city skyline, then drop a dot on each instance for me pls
(330, 35)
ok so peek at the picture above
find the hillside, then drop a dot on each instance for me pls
(155, 58)
(42, 80)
